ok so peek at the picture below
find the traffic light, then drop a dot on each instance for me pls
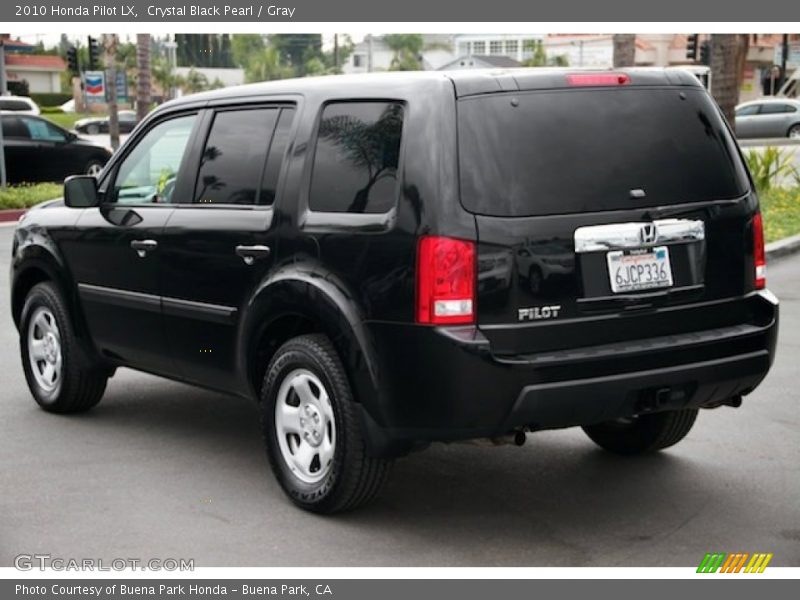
(691, 46)
(72, 60)
(94, 54)
(705, 53)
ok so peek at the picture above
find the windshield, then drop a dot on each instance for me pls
(581, 150)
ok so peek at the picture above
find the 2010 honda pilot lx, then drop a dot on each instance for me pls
(389, 260)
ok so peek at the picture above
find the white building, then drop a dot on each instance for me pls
(518, 46)
(41, 71)
(373, 54)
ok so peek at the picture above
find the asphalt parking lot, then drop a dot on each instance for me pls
(162, 470)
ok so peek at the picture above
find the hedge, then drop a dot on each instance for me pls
(50, 99)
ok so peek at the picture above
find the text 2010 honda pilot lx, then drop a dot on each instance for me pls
(389, 260)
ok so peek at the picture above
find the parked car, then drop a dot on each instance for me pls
(19, 104)
(97, 125)
(768, 118)
(39, 150)
(314, 245)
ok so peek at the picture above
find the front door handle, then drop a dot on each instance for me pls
(250, 253)
(142, 247)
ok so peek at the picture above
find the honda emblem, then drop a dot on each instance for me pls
(648, 234)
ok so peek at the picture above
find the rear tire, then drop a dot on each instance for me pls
(59, 375)
(314, 437)
(93, 129)
(794, 131)
(643, 434)
(93, 167)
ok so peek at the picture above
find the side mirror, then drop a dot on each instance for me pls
(80, 191)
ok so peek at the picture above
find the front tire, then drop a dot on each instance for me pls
(794, 132)
(60, 377)
(643, 434)
(314, 438)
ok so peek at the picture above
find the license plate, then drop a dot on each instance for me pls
(641, 269)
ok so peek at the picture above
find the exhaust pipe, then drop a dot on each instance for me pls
(515, 438)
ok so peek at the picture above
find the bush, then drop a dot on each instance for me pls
(53, 99)
(51, 110)
(770, 167)
(28, 194)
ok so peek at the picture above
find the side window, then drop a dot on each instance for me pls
(774, 109)
(43, 131)
(14, 128)
(277, 152)
(149, 172)
(233, 159)
(747, 111)
(356, 158)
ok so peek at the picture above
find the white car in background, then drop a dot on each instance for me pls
(768, 118)
(19, 104)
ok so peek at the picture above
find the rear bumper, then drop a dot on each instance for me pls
(445, 383)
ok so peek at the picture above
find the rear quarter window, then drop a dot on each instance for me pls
(356, 157)
(585, 150)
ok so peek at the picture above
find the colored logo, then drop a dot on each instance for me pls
(738, 562)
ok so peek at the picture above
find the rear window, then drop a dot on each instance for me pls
(570, 151)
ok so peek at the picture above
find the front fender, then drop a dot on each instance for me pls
(35, 257)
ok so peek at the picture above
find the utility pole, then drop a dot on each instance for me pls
(110, 45)
(336, 51)
(3, 88)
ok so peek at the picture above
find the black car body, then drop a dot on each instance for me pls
(97, 125)
(393, 223)
(39, 150)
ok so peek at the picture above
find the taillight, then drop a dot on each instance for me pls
(759, 255)
(598, 79)
(445, 281)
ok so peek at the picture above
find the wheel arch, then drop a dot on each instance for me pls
(294, 302)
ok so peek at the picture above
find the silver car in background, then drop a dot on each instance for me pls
(768, 118)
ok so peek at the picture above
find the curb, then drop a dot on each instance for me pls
(11, 214)
(783, 247)
(759, 142)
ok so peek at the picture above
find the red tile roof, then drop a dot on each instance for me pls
(36, 61)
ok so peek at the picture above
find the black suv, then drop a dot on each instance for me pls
(388, 260)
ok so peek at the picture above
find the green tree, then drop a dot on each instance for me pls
(164, 75)
(297, 49)
(245, 46)
(267, 65)
(407, 49)
(194, 82)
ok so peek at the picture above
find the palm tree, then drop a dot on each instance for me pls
(164, 75)
(267, 65)
(624, 50)
(728, 56)
(142, 75)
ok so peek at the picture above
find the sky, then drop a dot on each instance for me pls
(52, 39)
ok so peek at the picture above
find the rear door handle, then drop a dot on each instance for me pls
(142, 247)
(249, 254)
